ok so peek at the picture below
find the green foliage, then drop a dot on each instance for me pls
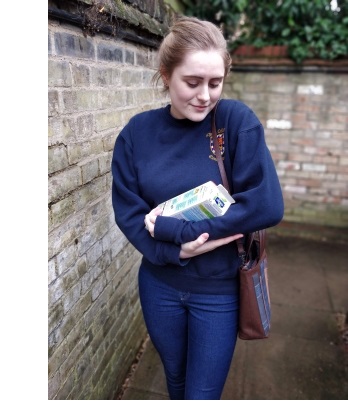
(310, 28)
(224, 13)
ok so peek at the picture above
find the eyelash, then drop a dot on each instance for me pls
(196, 85)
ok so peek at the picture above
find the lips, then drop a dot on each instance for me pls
(200, 107)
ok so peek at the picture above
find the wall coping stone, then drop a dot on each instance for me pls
(128, 17)
(240, 63)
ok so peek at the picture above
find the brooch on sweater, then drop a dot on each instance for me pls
(221, 142)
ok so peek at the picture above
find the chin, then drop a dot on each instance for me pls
(197, 117)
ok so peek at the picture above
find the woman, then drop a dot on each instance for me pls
(188, 278)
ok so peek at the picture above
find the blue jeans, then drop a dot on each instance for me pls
(194, 334)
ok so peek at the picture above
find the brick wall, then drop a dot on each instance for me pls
(95, 323)
(305, 115)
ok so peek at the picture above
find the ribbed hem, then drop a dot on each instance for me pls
(193, 284)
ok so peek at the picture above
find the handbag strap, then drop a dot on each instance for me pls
(218, 152)
(243, 251)
(261, 237)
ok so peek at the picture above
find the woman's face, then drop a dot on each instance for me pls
(196, 85)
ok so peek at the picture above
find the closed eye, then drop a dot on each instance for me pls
(211, 85)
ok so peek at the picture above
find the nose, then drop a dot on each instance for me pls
(203, 94)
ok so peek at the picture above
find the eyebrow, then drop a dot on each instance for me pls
(196, 77)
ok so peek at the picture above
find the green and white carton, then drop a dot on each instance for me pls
(203, 202)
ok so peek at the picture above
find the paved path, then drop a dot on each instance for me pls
(305, 357)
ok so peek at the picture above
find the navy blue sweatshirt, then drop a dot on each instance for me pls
(157, 157)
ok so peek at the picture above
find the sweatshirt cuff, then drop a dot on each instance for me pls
(170, 253)
(168, 229)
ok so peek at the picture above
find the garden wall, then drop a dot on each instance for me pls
(95, 84)
(305, 115)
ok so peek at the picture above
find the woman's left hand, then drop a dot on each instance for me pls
(150, 220)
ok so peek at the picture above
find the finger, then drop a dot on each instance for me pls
(228, 239)
(200, 240)
(158, 210)
(152, 218)
(147, 222)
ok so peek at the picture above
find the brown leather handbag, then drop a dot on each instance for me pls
(255, 305)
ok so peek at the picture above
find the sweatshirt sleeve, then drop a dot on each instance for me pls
(130, 209)
(255, 187)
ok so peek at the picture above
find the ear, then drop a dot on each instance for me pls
(164, 76)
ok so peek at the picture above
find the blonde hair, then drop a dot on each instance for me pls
(189, 34)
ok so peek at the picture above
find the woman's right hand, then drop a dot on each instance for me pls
(202, 245)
